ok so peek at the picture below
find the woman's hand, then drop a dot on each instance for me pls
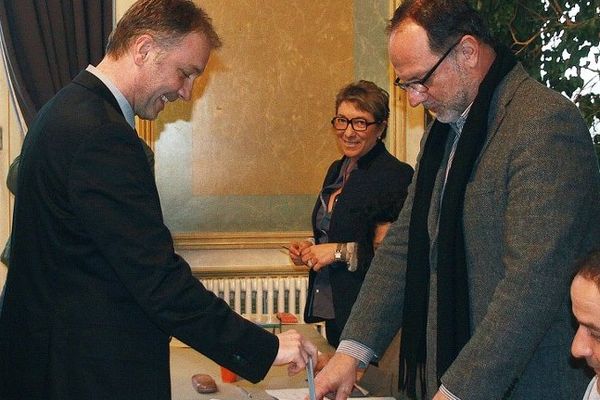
(381, 229)
(318, 256)
(296, 251)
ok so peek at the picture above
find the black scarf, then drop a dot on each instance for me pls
(453, 319)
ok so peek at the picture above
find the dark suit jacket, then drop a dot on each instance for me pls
(373, 193)
(95, 289)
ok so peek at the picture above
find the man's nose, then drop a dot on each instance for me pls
(580, 348)
(185, 92)
(415, 98)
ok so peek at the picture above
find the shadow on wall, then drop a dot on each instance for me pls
(183, 110)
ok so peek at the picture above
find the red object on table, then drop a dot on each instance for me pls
(287, 318)
(228, 376)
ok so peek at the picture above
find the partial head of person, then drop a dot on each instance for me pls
(440, 51)
(161, 47)
(361, 115)
(585, 298)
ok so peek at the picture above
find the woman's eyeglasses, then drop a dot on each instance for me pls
(358, 124)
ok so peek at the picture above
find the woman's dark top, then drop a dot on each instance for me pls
(374, 192)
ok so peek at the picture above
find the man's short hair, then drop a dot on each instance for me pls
(589, 267)
(445, 21)
(167, 21)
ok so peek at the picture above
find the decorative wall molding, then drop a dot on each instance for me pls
(237, 240)
(247, 271)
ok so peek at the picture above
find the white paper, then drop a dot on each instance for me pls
(302, 393)
(288, 394)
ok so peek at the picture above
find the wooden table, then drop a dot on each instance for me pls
(186, 362)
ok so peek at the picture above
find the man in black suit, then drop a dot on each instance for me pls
(95, 288)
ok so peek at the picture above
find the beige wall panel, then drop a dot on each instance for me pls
(4, 155)
(120, 6)
(5, 198)
(9, 149)
(270, 97)
(249, 152)
(407, 124)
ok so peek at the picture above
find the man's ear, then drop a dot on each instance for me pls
(468, 48)
(142, 46)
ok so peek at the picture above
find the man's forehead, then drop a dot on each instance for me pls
(410, 27)
(585, 297)
(409, 47)
(194, 51)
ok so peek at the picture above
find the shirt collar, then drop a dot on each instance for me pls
(365, 161)
(459, 124)
(123, 103)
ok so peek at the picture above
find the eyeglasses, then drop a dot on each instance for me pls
(358, 124)
(418, 85)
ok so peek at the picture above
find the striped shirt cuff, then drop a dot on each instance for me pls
(447, 393)
(357, 350)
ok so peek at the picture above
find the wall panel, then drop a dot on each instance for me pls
(249, 153)
(10, 147)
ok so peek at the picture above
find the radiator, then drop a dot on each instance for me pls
(261, 295)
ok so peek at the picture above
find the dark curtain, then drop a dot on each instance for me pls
(48, 42)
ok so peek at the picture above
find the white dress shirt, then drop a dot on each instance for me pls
(592, 390)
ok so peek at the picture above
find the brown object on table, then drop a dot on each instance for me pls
(204, 383)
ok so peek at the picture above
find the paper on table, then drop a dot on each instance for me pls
(288, 394)
(300, 394)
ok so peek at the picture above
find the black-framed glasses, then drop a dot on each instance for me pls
(418, 85)
(358, 124)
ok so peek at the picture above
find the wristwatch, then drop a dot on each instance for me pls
(337, 256)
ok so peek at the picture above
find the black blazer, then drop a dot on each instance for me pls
(374, 192)
(95, 289)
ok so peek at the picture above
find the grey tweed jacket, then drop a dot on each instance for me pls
(531, 210)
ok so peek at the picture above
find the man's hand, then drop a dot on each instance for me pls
(322, 361)
(294, 350)
(381, 229)
(337, 376)
(440, 396)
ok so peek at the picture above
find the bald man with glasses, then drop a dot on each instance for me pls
(505, 198)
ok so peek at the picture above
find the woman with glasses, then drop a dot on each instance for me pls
(362, 194)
